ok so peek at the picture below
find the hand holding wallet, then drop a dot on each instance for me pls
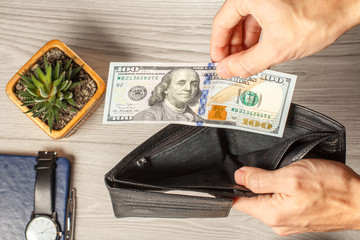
(204, 159)
(311, 195)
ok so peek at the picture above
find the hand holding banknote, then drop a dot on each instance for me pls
(290, 29)
(310, 195)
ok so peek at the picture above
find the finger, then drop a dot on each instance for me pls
(251, 32)
(251, 61)
(222, 28)
(286, 231)
(236, 41)
(260, 207)
(268, 208)
(262, 181)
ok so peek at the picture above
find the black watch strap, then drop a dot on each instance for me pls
(44, 183)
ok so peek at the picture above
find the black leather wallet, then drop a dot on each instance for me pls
(204, 159)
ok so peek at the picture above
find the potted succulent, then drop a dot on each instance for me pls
(56, 89)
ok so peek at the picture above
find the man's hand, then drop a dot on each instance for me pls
(311, 195)
(290, 29)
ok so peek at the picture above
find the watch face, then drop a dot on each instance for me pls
(41, 228)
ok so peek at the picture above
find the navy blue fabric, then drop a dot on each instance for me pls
(17, 181)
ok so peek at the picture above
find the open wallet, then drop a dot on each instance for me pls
(204, 159)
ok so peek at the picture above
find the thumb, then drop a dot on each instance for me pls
(259, 180)
(250, 62)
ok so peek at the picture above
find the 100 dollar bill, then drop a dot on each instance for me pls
(193, 94)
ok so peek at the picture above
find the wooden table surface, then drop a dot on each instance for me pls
(152, 31)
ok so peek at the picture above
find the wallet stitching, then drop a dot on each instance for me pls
(153, 147)
(162, 141)
(313, 122)
(214, 201)
(174, 146)
(133, 155)
(329, 121)
(318, 115)
(281, 154)
(306, 150)
(149, 146)
(341, 131)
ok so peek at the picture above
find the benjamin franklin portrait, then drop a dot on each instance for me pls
(171, 98)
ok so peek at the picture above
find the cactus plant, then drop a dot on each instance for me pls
(46, 94)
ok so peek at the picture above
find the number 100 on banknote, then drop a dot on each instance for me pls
(193, 94)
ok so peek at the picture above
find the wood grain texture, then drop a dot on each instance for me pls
(152, 31)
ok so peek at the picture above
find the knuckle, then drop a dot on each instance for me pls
(277, 218)
(280, 231)
(216, 19)
(296, 184)
(240, 68)
(275, 221)
(295, 177)
(279, 53)
(255, 180)
(251, 181)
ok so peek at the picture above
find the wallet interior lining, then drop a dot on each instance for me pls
(207, 161)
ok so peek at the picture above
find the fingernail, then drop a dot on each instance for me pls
(239, 176)
(222, 72)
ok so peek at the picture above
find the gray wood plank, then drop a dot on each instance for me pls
(154, 31)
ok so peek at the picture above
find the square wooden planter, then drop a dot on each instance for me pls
(82, 114)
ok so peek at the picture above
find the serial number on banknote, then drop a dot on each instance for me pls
(193, 94)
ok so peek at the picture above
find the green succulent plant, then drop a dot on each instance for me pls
(48, 93)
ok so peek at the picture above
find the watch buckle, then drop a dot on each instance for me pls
(45, 160)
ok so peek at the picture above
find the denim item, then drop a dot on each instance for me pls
(17, 183)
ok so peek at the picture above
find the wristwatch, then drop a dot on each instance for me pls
(43, 224)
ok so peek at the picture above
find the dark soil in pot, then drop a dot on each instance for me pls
(81, 93)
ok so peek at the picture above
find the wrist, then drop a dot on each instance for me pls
(351, 13)
(356, 203)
